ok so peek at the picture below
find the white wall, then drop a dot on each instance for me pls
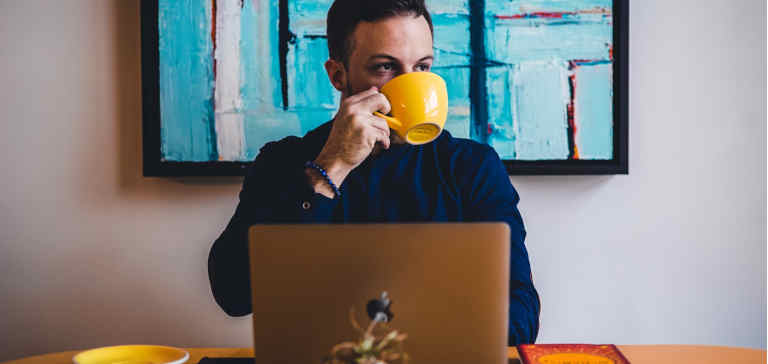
(93, 254)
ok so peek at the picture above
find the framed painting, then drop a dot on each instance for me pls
(544, 82)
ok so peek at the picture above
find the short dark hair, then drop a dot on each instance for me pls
(344, 16)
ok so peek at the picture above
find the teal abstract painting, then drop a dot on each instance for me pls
(535, 79)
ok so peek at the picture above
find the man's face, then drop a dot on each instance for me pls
(385, 49)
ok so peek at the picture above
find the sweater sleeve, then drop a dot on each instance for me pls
(490, 196)
(275, 190)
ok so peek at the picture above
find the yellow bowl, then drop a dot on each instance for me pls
(132, 354)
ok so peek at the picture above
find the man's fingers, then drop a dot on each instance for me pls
(382, 137)
(380, 124)
(361, 95)
(376, 102)
(363, 105)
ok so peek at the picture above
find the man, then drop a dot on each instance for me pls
(371, 175)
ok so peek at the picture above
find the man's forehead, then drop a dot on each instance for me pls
(402, 37)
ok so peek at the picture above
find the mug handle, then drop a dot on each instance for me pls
(392, 122)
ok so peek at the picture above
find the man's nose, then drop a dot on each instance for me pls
(407, 70)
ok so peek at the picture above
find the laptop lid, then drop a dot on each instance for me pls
(448, 282)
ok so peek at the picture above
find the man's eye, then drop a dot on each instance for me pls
(423, 67)
(384, 67)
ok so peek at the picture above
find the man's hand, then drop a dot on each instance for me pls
(353, 136)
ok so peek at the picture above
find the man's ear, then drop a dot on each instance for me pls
(337, 74)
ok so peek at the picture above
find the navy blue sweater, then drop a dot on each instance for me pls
(449, 179)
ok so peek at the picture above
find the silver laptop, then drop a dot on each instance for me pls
(448, 285)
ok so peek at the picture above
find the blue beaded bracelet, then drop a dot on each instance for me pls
(311, 164)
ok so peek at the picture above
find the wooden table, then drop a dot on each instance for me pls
(637, 354)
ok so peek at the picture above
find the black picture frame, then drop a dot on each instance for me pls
(154, 166)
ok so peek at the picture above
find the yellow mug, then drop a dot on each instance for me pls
(419, 103)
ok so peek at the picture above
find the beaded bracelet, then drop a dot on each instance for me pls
(311, 164)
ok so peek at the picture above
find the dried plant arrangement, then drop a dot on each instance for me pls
(378, 343)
